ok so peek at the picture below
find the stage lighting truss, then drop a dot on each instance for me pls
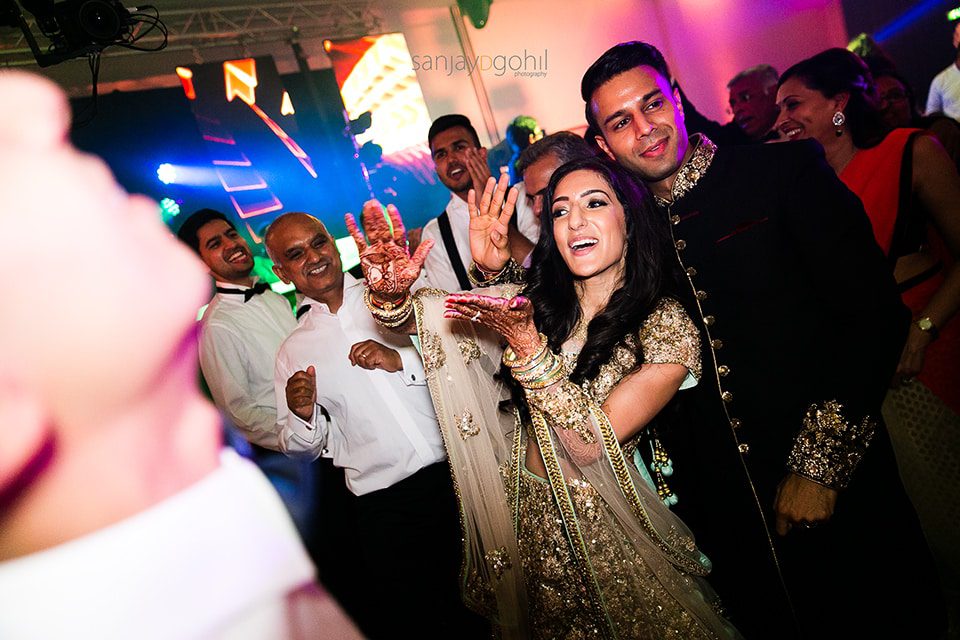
(83, 28)
(192, 27)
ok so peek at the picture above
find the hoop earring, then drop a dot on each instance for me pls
(838, 121)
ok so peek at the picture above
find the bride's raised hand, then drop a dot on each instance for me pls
(489, 223)
(510, 317)
(387, 265)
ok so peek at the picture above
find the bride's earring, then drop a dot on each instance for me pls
(838, 121)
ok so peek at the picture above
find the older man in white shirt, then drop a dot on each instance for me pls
(382, 430)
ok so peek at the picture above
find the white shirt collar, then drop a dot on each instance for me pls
(457, 206)
(181, 569)
(349, 283)
(237, 287)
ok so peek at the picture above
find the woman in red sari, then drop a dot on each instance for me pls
(911, 192)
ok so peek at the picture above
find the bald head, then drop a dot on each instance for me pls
(305, 254)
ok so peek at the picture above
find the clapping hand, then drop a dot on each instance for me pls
(490, 223)
(387, 265)
(512, 318)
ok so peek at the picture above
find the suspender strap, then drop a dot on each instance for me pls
(446, 234)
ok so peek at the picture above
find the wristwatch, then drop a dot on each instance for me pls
(926, 324)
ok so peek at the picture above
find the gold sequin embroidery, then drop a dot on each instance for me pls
(692, 170)
(829, 447)
(466, 426)
(434, 356)
(469, 349)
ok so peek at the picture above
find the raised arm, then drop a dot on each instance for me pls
(633, 403)
(388, 267)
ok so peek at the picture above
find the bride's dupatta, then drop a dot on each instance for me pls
(485, 444)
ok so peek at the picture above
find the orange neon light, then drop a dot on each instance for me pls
(240, 80)
(286, 105)
(186, 80)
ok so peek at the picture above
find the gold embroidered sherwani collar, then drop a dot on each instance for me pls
(692, 170)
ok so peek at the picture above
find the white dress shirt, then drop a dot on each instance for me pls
(238, 350)
(221, 559)
(439, 272)
(944, 93)
(382, 425)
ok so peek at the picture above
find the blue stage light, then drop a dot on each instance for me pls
(167, 173)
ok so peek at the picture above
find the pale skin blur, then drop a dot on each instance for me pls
(106, 380)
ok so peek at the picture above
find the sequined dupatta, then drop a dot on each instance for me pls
(485, 447)
(461, 360)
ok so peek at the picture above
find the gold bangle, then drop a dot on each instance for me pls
(389, 315)
(513, 361)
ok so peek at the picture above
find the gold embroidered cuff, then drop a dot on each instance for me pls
(829, 447)
(512, 273)
(566, 407)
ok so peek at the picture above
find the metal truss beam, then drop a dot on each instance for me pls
(240, 24)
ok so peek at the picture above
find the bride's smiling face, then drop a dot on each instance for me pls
(588, 224)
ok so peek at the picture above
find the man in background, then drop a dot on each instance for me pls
(753, 102)
(461, 164)
(944, 95)
(240, 333)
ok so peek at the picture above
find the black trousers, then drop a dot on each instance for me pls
(410, 548)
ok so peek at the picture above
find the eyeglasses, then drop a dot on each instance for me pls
(894, 95)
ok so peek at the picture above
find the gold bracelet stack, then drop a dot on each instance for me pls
(536, 371)
(388, 314)
(512, 273)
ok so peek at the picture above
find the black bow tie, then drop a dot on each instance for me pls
(255, 290)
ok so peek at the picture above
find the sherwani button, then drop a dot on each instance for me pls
(709, 320)
(727, 396)
(701, 295)
(716, 344)
(723, 370)
(691, 271)
(681, 245)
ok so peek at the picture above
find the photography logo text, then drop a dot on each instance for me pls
(525, 65)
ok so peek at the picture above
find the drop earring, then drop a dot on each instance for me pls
(838, 121)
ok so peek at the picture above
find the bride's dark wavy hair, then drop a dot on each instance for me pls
(551, 285)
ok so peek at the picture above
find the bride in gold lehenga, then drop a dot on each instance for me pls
(564, 537)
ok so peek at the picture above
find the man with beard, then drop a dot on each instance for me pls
(461, 165)
(356, 392)
(803, 328)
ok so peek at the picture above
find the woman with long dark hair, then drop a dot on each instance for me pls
(911, 193)
(563, 535)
